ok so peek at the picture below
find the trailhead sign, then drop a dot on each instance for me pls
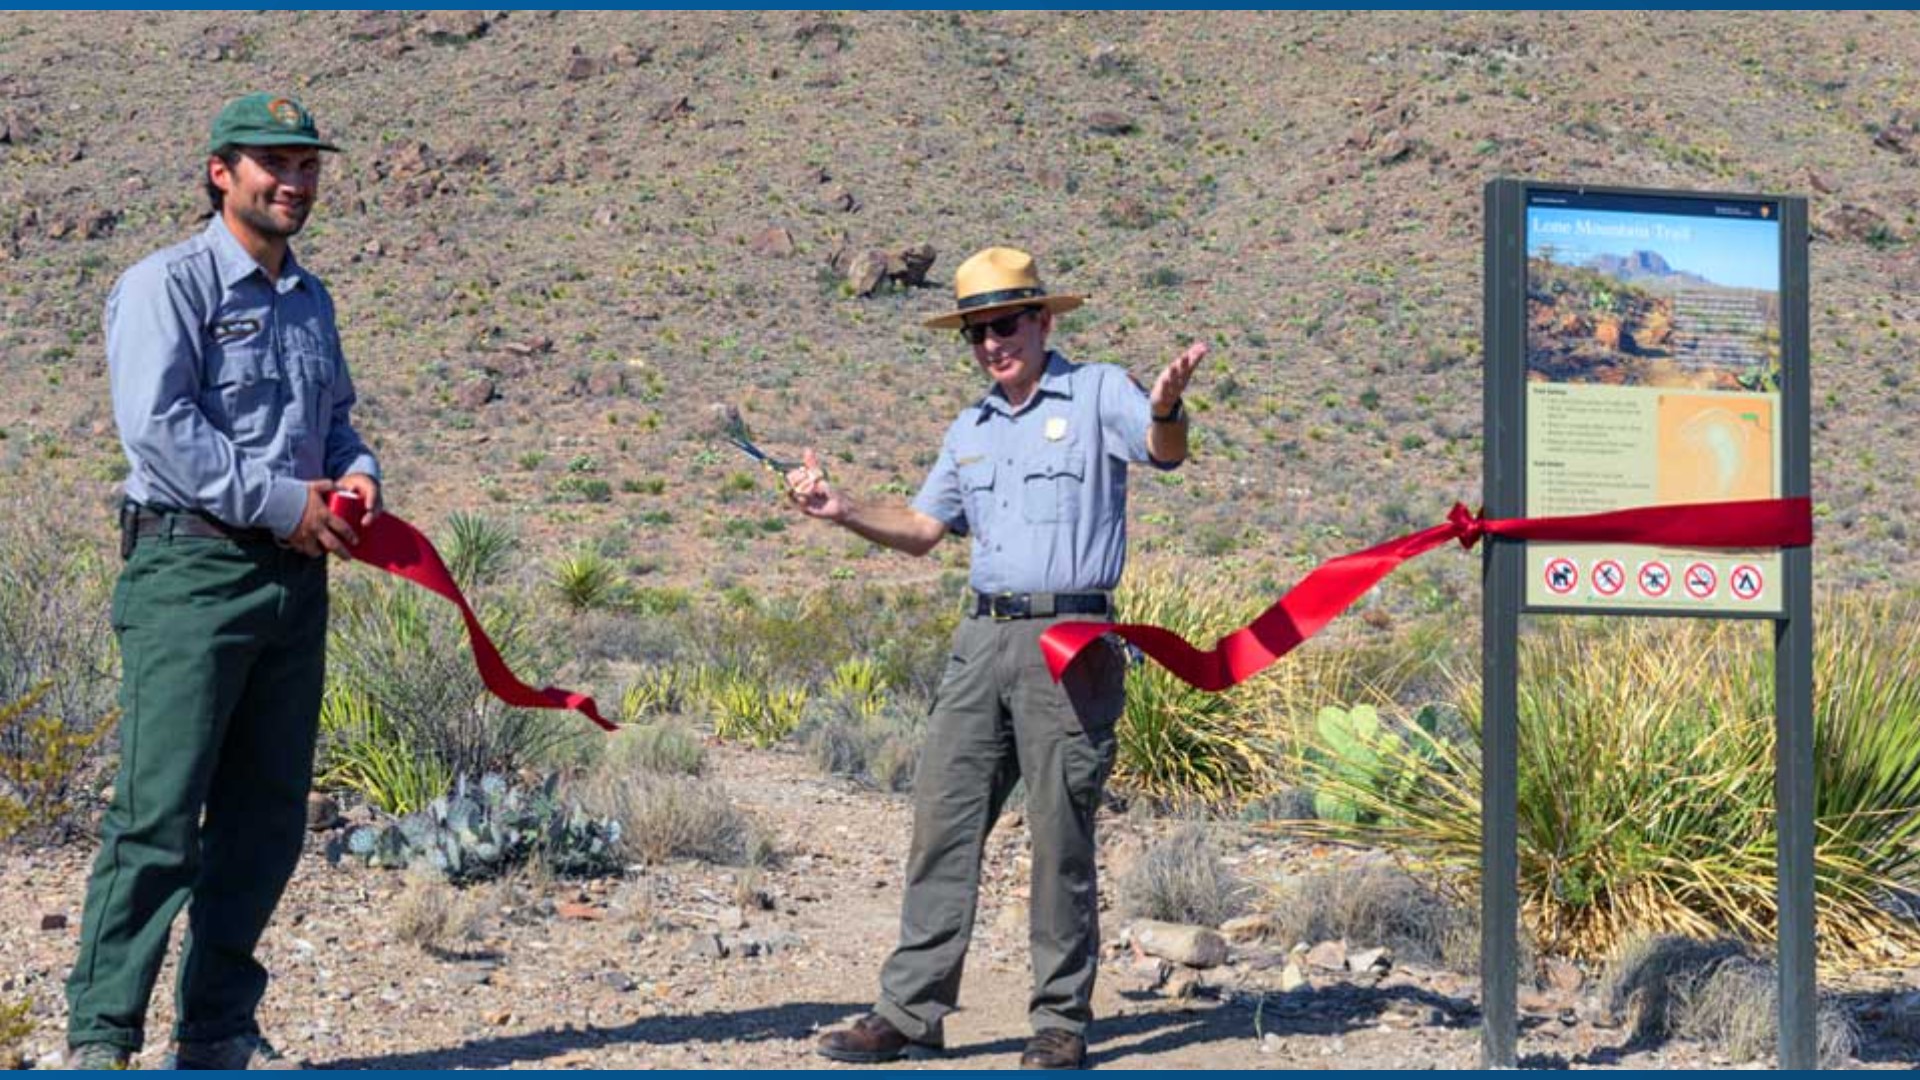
(1653, 365)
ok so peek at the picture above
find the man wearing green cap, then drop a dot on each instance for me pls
(233, 403)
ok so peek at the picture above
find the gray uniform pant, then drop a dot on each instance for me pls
(999, 716)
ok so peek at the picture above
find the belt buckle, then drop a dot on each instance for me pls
(1006, 606)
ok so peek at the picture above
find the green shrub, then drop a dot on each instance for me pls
(16, 1023)
(405, 652)
(744, 709)
(41, 758)
(1646, 782)
(587, 581)
(362, 750)
(478, 551)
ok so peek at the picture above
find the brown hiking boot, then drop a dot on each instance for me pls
(1052, 1048)
(870, 1041)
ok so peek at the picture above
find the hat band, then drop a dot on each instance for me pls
(1002, 296)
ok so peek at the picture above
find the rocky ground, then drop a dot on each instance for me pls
(693, 966)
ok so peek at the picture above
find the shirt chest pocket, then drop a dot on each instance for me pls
(976, 492)
(1051, 490)
(244, 392)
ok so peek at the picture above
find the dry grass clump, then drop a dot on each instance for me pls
(664, 817)
(1182, 880)
(1716, 992)
(1379, 904)
(436, 917)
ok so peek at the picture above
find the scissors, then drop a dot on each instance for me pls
(734, 429)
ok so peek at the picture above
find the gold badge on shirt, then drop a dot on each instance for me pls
(1056, 428)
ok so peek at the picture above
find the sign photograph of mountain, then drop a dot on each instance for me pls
(1672, 300)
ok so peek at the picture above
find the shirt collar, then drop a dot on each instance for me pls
(1054, 380)
(235, 265)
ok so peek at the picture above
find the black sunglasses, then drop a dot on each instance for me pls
(1004, 326)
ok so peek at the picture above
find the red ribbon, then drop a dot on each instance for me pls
(1334, 585)
(390, 544)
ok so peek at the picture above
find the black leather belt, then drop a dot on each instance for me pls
(1039, 605)
(150, 522)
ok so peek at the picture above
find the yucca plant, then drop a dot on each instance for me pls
(745, 709)
(586, 581)
(1646, 782)
(860, 685)
(362, 750)
(479, 550)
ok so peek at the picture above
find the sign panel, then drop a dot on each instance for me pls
(1653, 369)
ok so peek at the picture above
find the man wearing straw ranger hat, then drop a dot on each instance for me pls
(1035, 473)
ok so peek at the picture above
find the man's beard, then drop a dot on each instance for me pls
(264, 223)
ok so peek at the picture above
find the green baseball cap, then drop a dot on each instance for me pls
(265, 120)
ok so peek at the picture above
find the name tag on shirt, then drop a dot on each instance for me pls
(234, 329)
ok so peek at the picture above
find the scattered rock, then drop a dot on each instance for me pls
(1292, 978)
(617, 980)
(1248, 929)
(1109, 122)
(581, 67)
(839, 198)
(574, 909)
(451, 27)
(475, 394)
(219, 43)
(708, 947)
(773, 243)
(17, 128)
(1194, 946)
(377, 25)
(1328, 956)
(1564, 975)
(628, 55)
(53, 921)
(1375, 961)
(323, 811)
(673, 109)
(1183, 984)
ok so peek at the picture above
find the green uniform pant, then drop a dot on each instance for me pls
(223, 656)
(998, 717)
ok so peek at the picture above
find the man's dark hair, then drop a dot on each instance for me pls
(230, 156)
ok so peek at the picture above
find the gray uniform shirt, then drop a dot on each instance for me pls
(229, 387)
(1042, 489)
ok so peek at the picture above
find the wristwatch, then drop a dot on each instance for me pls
(1179, 410)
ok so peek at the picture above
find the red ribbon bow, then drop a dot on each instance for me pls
(1333, 586)
(390, 544)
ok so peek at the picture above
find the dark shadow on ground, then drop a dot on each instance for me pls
(1331, 1010)
(750, 1025)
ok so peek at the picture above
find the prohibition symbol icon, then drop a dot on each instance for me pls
(1701, 580)
(1609, 577)
(1745, 581)
(1562, 575)
(1655, 579)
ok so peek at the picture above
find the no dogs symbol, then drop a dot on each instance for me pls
(1562, 575)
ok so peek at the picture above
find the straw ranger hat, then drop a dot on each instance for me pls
(999, 279)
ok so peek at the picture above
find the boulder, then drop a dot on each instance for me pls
(1194, 946)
